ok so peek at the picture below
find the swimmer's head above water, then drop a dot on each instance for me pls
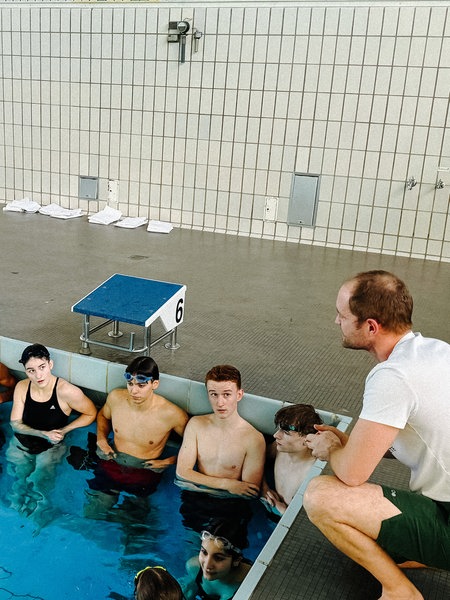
(156, 583)
(299, 418)
(224, 373)
(34, 351)
(220, 554)
(144, 366)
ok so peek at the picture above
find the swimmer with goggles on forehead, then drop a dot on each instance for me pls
(137, 377)
(217, 539)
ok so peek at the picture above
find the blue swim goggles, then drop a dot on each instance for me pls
(138, 378)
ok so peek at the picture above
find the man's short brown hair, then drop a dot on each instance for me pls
(382, 296)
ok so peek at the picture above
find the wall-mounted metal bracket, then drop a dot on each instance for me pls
(177, 33)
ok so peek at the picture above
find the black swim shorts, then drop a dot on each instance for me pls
(421, 533)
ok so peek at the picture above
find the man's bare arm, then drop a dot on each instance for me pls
(354, 462)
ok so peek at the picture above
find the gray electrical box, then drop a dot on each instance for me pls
(88, 187)
(304, 198)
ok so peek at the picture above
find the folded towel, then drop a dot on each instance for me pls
(25, 205)
(131, 222)
(54, 210)
(106, 216)
(159, 227)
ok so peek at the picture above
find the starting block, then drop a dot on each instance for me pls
(134, 300)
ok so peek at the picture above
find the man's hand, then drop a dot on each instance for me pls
(323, 443)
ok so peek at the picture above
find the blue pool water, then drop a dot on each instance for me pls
(55, 552)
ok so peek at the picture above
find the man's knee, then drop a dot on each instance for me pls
(318, 494)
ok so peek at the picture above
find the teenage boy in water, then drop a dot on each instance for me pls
(221, 450)
(142, 421)
(291, 458)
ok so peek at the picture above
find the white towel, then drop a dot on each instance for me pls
(24, 205)
(54, 210)
(131, 222)
(106, 216)
(159, 227)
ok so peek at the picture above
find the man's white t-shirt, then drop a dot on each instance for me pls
(411, 391)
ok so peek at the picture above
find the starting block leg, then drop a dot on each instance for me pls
(147, 340)
(115, 333)
(85, 348)
(172, 345)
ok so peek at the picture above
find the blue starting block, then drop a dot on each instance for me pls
(134, 300)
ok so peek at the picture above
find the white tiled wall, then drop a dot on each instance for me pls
(358, 93)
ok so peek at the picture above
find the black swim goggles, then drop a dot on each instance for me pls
(138, 377)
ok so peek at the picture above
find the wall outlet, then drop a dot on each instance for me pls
(113, 193)
(270, 209)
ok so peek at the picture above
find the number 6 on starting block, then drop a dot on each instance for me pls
(172, 312)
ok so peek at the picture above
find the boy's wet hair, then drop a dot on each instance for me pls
(298, 417)
(224, 373)
(144, 365)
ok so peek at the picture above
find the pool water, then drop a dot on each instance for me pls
(51, 550)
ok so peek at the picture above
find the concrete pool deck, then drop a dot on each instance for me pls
(268, 307)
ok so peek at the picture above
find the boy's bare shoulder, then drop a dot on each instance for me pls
(250, 429)
(198, 422)
(116, 395)
(171, 408)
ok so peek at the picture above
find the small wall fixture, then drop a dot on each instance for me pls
(178, 31)
(411, 183)
(440, 184)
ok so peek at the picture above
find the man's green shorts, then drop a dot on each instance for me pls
(421, 533)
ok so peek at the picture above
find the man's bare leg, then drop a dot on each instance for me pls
(350, 518)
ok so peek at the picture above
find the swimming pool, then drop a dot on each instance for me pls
(95, 558)
(56, 551)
